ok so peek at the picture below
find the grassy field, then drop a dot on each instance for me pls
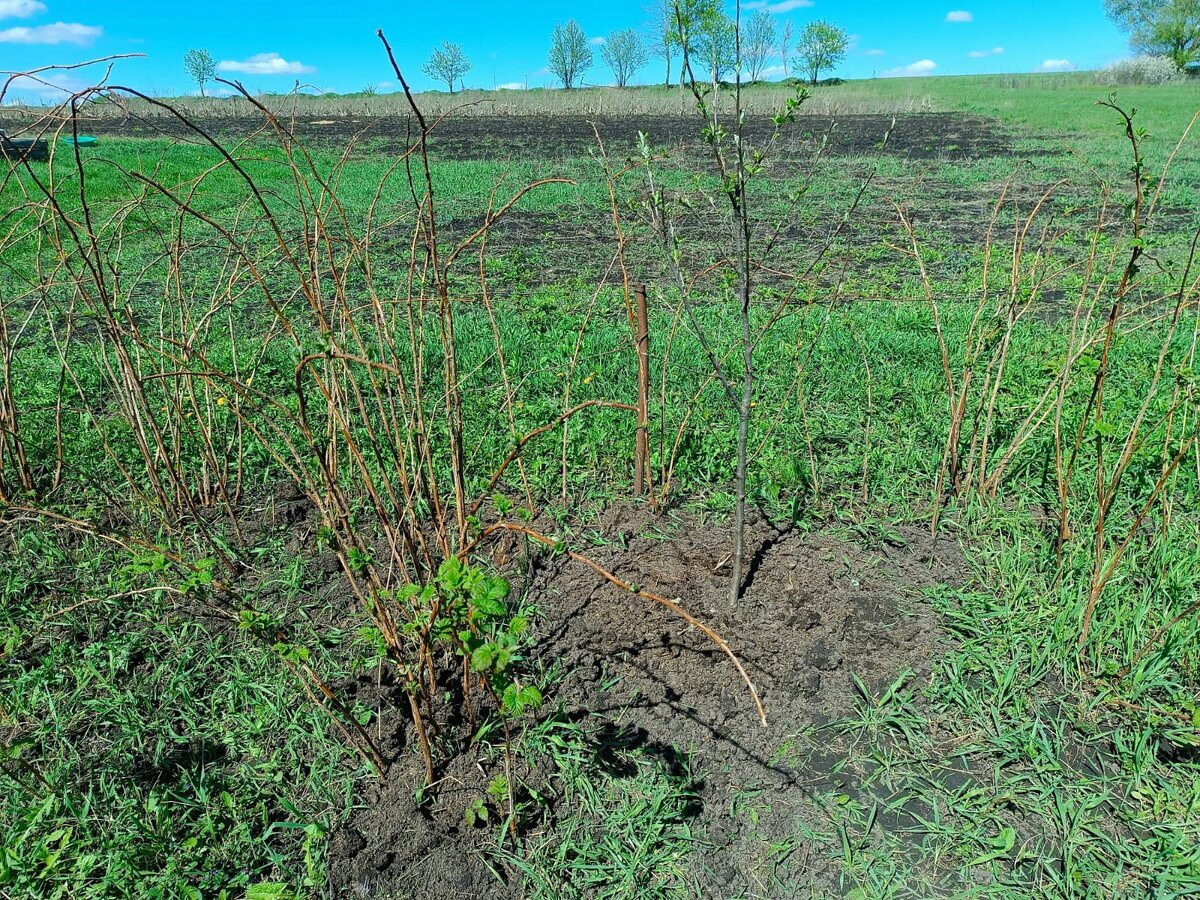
(248, 414)
(1059, 101)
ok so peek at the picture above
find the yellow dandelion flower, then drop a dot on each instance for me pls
(221, 401)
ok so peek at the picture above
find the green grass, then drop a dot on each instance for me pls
(996, 774)
(624, 829)
(1050, 104)
(152, 749)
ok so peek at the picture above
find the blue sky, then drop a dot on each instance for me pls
(268, 45)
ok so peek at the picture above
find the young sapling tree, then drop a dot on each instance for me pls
(757, 43)
(201, 66)
(570, 55)
(449, 64)
(624, 53)
(822, 46)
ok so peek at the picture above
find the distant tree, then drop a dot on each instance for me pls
(821, 47)
(570, 55)
(662, 32)
(200, 66)
(785, 46)
(716, 45)
(448, 64)
(1160, 27)
(758, 42)
(624, 54)
(692, 19)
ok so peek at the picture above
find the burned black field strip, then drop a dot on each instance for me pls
(947, 136)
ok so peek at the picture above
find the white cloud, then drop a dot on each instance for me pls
(265, 64)
(980, 54)
(776, 7)
(1056, 65)
(959, 15)
(598, 41)
(511, 86)
(58, 33)
(772, 72)
(912, 70)
(875, 53)
(20, 9)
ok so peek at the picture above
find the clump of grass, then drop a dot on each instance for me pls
(146, 752)
(625, 832)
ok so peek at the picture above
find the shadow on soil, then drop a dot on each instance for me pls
(819, 609)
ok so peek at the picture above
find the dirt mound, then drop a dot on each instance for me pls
(819, 609)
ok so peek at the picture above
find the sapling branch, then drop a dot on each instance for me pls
(637, 590)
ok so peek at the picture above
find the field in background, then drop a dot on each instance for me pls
(153, 747)
(1059, 101)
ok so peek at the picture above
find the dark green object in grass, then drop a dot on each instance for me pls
(83, 140)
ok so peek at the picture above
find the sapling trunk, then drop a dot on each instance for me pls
(735, 172)
(739, 516)
(745, 272)
(742, 226)
(736, 164)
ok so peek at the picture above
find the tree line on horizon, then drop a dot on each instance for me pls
(706, 39)
(698, 31)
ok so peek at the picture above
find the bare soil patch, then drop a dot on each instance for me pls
(914, 136)
(819, 609)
